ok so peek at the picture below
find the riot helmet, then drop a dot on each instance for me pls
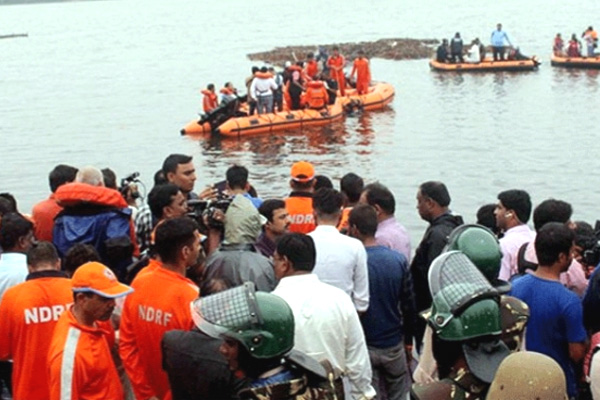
(482, 247)
(528, 375)
(262, 323)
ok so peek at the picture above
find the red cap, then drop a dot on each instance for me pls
(98, 278)
(303, 171)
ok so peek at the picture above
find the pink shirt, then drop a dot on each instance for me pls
(510, 244)
(390, 233)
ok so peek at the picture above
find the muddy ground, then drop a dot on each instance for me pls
(390, 49)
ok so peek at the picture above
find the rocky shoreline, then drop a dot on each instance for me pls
(390, 49)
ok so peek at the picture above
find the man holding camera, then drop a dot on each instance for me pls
(179, 170)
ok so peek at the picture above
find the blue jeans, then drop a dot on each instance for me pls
(390, 372)
(265, 104)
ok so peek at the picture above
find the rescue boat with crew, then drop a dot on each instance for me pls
(575, 62)
(487, 65)
(278, 121)
(224, 122)
(379, 95)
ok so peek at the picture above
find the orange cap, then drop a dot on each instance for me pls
(98, 278)
(303, 171)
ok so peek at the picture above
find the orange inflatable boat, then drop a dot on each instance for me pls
(487, 65)
(273, 122)
(380, 95)
(575, 62)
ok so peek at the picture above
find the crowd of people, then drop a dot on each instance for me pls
(574, 46)
(312, 83)
(221, 294)
(454, 51)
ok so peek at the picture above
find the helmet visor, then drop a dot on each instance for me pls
(228, 311)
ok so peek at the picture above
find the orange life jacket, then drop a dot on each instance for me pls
(210, 101)
(300, 209)
(316, 96)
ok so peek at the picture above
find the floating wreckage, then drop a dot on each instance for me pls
(390, 49)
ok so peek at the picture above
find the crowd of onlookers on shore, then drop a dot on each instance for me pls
(220, 294)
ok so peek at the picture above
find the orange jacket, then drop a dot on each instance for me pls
(80, 362)
(210, 100)
(344, 224)
(75, 193)
(299, 207)
(316, 95)
(312, 69)
(28, 314)
(160, 303)
(43, 214)
(362, 70)
(337, 66)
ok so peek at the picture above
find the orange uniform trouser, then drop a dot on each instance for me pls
(362, 87)
(341, 80)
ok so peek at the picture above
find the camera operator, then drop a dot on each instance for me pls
(179, 170)
(236, 258)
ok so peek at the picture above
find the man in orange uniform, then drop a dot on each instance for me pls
(210, 100)
(160, 303)
(312, 66)
(336, 64)
(299, 204)
(316, 96)
(79, 360)
(363, 73)
(28, 314)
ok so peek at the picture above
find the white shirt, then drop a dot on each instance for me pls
(595, 376)
(342, 262)
(262, 87)
(510, 244)
(327, 327)
(474, 54)
(13, 270)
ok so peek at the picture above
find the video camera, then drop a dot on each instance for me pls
(199, 209)
(128, 185)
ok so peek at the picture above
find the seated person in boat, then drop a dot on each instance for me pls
(210, 100)
(228, 93)
(514, 54)
(558, 46)
(316, 96)
(441, 54)
(474, 52)
(574, 49)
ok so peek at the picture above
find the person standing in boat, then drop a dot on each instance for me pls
(312, 66)
(251, 98)
(558, 46)
(498, 38)
(262, 90)
(456, 48)
(210, 100)
(591, 40)
(293, 91)
(277, 93)
(574, 49)
(336, 64)
(363, 73)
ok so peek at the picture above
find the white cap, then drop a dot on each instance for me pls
(287, 64)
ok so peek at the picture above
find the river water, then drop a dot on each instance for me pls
(111, 83)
